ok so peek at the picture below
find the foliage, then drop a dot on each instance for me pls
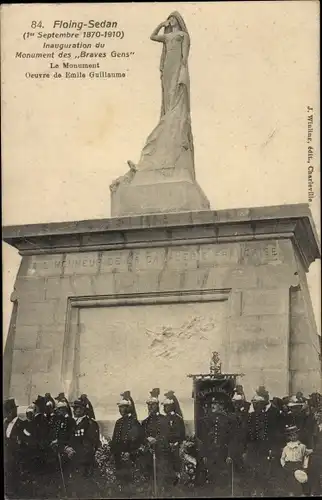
(105, 462)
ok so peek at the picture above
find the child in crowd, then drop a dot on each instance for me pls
(294, 460)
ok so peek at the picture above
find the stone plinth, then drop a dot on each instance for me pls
(163, 197)
(132, 303)
(164, 190)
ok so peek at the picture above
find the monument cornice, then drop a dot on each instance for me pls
(292, 222)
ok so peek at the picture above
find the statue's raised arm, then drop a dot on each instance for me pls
(156, 37)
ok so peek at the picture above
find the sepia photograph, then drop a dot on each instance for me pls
(161, 250)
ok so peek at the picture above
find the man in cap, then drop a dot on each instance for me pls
(176, 436)
(84, 441)
(263, 441)
(13, 436)
(156, 437)
(126, 440)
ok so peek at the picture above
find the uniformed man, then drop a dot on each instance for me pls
(263, 442)
(126, 440)
(62, 428)
(39, 439)
(217, 438)
(13, 435)
(176, 435)
(156, 437)
(241, 408)
(84, 441)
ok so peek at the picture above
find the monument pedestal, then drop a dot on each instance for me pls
(108, 305)
(166, 197)
(158, 191)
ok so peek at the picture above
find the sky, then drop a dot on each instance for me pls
(253, 72)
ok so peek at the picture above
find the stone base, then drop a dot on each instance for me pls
(161, 197)
(132, 303)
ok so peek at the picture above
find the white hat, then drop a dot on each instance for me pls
(124, 402)
(294, 401)
(151, 400)
(168, 401)
(301, 476)
(61, 404)
(257, 398)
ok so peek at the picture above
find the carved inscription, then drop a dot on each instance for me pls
(180, 257)
(259, 253)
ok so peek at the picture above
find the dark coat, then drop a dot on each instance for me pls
(127, 435)
(238, 444)
(61, 430)
(217, 433)
(85, 441)
(12, 456)
(12, 444)
(156, 426)
(40, 431)
(264, 430)
(176, 428)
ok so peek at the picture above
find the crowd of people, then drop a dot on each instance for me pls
(258, 448)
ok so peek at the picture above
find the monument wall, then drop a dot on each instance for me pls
(238, 288)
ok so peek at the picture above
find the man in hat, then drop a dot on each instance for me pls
(217, 436)
(176, 436)
(13, 436)
(176, 405)
(84, 441)
(62, 398)
(37, 451)
(89, 406)
(126, 440)
(48, 397)
(156, 437)
(127, 395)
(263, 441)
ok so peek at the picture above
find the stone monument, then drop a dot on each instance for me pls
(141, 299)
(164, 179)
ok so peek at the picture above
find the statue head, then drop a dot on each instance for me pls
(176, 23)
